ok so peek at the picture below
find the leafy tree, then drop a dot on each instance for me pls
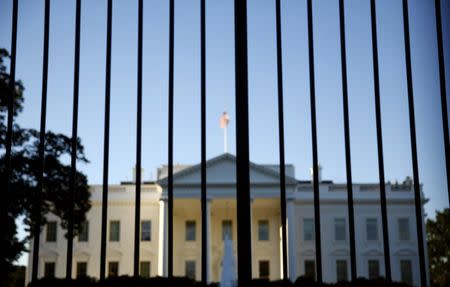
(55, 196)
(438, 234)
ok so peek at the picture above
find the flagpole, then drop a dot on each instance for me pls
(225, 147)
(224, 120)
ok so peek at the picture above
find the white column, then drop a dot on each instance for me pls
(291, 239)
(208, 242)
(162, 250)
(254, 263)
(280, 243)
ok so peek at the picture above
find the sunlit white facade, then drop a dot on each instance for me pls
(221, 221)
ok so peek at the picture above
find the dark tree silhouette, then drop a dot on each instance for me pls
(438, 233)
(55, 195)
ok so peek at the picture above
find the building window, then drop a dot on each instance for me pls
(339, 229)
(189, 269)
(190, 230)
(406, 271)
(264, 269)
(113, 268)
(145, 269)
(263, 230)
(81, 269)
(308, 229)
(310, 269)
(52, 228)
(49, 269)
(227, 229)
(146, 230)
(403, 229)
(114, 230)
(341, 270)
(374, 269)
(84, 232)
(371, 229)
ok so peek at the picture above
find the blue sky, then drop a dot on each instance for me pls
(220, 84)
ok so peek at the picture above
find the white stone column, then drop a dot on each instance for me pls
(163, 246)
(280, 246)
(254, 263)
(208, 242)
(291, 239)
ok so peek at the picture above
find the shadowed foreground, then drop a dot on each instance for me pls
(185, 282)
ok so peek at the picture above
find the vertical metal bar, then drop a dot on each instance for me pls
(443, 91)
(244, 244)
(281, 140)
(9, 133)
(73, 163)
(415, 165)
(348, 160)
(37, 199)
(314, 144)
(5, 203)
(12, 90)
(106, 143)
(387, 256)
(137, 216)
(170, 142)
(203, 141)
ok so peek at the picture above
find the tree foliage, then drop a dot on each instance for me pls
(26, 166)
(438, 235)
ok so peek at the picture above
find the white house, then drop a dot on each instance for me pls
(221, 220)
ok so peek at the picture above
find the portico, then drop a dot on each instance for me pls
(221, 218)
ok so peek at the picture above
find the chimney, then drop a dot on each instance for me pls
(134, 174)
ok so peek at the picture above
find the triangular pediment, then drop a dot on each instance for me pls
(221, 170)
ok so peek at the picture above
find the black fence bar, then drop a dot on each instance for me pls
(37, 196)
(73, 163)
(137, 215)
(12, 89)
(9, 133)
(387, 256)
(348, 160)
(203, 142)
(170, 142)
(106, 142)
(314, 144)
(443, 91)
(415, 165)
(281, 141)
(11, 97)
(244, 243)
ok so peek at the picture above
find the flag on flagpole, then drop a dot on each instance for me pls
(224, 120)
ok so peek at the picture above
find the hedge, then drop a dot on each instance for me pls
(127, 281)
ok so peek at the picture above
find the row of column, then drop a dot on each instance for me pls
(163, 246)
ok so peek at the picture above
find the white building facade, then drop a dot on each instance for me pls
(221, 221)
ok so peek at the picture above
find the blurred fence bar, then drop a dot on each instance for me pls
(315, 157)
(106, 141)
(73, 163)
(443, 90)
(37, 200)
(281, 140)
(244, 244)
(170, 140)
(137, 216)
(415, 164)
(203, 142)
(348, 160)
(376, 76)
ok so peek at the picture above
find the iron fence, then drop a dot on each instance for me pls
(242, 137)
